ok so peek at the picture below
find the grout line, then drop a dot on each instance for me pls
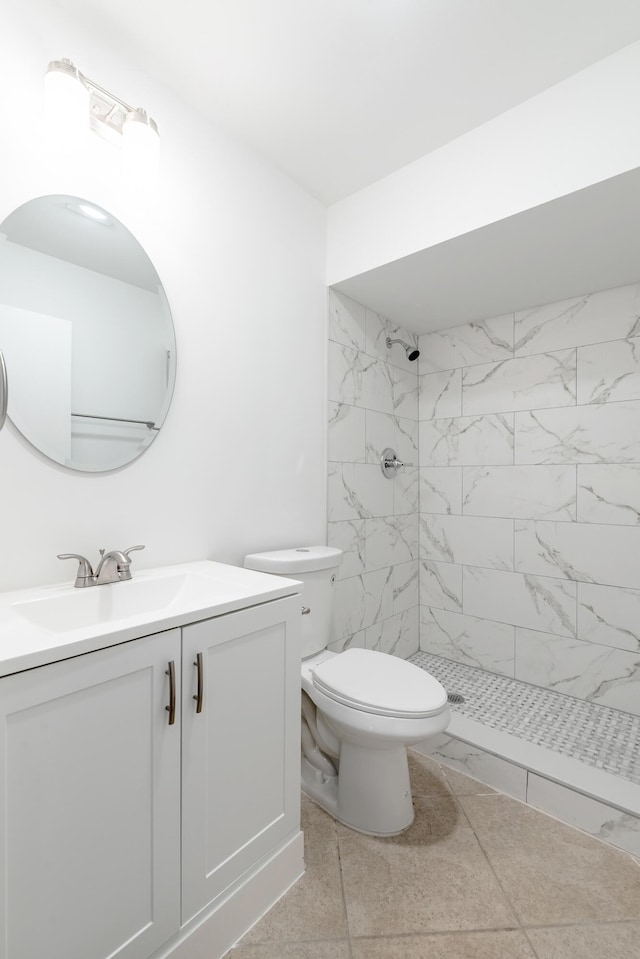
(579, 923)
(342, 889)
(507, 898)
(535, 409)
(530, 943)
(442, 933)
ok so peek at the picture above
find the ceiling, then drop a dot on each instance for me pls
(577, 244)
(339, 93)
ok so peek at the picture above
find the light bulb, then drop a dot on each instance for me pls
(141, 143)
(66, 101)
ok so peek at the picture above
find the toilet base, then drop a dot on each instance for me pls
(371, 793)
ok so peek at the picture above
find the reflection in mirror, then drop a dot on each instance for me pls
(86, 332)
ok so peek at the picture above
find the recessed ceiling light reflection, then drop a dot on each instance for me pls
(91, 212)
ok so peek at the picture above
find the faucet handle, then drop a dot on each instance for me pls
(131, 549)
(85, 571)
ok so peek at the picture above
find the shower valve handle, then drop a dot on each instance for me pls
(390, 464)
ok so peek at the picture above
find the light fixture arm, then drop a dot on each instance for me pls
(108, 112)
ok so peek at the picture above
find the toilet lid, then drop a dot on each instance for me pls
(379, 683)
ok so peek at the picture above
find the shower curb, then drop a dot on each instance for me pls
(594, 800)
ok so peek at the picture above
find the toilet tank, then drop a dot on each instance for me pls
(316, 568)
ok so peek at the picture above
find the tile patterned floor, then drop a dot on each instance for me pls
(599, 736)
(477, 876)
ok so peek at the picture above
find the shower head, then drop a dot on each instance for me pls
(411, 351)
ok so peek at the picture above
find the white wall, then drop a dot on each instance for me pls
(577, 133)
(240, 462)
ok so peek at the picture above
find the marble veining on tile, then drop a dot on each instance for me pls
(349, 536)
(391, 540)
(380, 433)
(609, 494)
(346, 321)
(397, 635)
(545, 380)
(596, 735)
(463, 760)
(595, 673)
(405, 586)
(609, 371)
(346, 368)
(346, 433)
(483, 342)
(466, 639)
(534, 602)
(406, 491)
(593, 318)
(467, 440)
(607, 555)
(470, 540)
(375, 385)
(350, 641)
(361, 601)
(606, 823)
(440, 395)
(441, 585)
(521, 492)
(406, 440)
(609, 616)
(405, 392)
(600, 433)
(441, 489)
(358, 491)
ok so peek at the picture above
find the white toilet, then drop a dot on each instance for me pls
(360, 708)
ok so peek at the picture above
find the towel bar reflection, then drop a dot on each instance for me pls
(4, 391)
(117, 419)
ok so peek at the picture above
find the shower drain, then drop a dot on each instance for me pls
(456, 698)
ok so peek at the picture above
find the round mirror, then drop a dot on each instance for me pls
(86, 333)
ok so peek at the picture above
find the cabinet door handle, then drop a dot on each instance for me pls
(200, 694)
(171, 708)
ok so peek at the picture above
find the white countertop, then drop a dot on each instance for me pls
(49, 623)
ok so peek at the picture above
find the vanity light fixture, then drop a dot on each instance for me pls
(72, 98)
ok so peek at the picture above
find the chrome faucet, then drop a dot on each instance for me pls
(114, 567)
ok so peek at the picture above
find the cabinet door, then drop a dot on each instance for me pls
(241, 753)
(89, 805)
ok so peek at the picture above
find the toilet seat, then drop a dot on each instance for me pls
(380, 684)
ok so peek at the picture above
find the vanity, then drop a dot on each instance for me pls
(149, 763)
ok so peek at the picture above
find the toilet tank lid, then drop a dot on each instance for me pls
(301, 559)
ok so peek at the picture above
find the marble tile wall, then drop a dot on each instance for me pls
(529, 485)
(373, 404)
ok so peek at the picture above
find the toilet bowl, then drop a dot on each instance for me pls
(360, 708)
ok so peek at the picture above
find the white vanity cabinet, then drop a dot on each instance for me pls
(89, 805)
(240, 758)
(124, 835)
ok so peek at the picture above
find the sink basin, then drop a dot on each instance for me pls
(81, 608)
(52, 622)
